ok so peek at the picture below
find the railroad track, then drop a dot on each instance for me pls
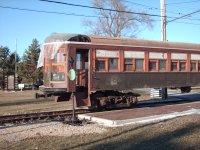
(63, 115)
(66, 115)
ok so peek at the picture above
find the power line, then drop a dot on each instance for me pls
(48, 12)
(100, 8)
(149, 7)
(184, 16)
(187, 23)
(69, 14)
(183, 2)
(182, 22)
(54, 12)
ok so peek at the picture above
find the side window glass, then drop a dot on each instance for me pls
(193, 66)
(174, 66)
(182, 66)
(100, 65)
(152, 66)
(162, 65)
(139, 65)
(113, 64)
(128, 64)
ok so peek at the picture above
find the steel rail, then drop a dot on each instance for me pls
(40, 116)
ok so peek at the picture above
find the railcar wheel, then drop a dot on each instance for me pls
(95, 102)
(128, 102)
(135, 100)
(186, 89)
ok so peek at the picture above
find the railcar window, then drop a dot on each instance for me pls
(152, 65)
(57, 66)
(162, 65)
(199, 66)
(174, 66)
(182, 66)
(58, 76)
(58, 73)
(100, 65)
(78, 61)
(59, 56)
(139, 65)
(133, 64)
(113, 64)
(193, 66)
(128, 64)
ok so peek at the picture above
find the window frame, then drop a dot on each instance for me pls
(134, 68)
(157, 61)
(131, 70)
(106, 64)
(153, 61)
(162, 70)
(178, 65)
(196, 65)
(106, 59)
(113, 70)
(59, 63)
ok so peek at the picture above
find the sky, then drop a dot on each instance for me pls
(23, 26)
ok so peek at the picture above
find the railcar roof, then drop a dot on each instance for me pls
(145, 43)
(63, 37)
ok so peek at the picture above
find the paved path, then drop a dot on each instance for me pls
(188, 104)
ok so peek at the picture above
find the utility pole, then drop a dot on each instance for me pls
(163, 36)
(15, 76)
(163, 20)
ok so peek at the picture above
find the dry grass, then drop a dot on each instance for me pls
(23, 102)
(179, 133)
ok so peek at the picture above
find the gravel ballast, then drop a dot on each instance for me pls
(18, 133)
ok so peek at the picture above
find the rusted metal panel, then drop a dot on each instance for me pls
(128, 81)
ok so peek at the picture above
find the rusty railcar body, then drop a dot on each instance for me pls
(107, 65)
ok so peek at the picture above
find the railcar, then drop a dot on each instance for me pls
(107, 69)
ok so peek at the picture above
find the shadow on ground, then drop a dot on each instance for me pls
(140, 139)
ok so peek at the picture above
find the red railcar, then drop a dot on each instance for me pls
(107, 68)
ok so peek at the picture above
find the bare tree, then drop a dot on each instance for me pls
(116, 23)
